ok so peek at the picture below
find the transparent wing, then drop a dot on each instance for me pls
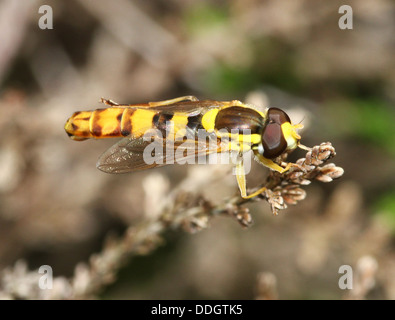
(193, 107)
(124, 156)
(130, 155)
(189, 106)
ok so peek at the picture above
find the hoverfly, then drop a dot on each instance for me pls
(271, 132)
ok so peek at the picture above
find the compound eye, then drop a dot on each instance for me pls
(273, 141)
(278, 116)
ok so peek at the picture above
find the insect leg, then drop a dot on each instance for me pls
(115, 104)
(109, 102)
(274, 166)
(241, 178)
(254, 194)
(270, 164)
(171, 101)
(301, 146)
(241, 181)
(240, 175)
(149, 104)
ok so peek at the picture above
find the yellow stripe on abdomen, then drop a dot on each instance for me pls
(106, 123)
(141, 120)
(208, 120)
(77, 126)
(100, 123)
(179, 124)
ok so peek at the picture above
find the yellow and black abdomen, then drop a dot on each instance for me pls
(100, 123)
(135, 121)
(126, 122)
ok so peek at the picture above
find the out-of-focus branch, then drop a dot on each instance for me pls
(134, 29)
(185, 209)
(364, 279)
(266, 286)
(14, 19)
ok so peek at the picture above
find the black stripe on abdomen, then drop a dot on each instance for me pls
(159, 121)
(195, 122)
(126, 122)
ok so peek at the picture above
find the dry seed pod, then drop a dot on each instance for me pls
(244, 217)
(195, 224)
(329, 172)
(292, 194)
(320, 154)
(285, 188)
(297, 177)
(275, 200)
(305, 164)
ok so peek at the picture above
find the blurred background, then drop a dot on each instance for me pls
(56, 208)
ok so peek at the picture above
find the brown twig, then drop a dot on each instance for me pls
(187, 210)
(364, 279)
(266, 286)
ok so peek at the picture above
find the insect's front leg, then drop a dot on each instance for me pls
(270, 164)
(274, 166)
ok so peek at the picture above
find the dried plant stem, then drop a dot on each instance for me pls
(192, 212)
(266, 286)
(187, 210)
(364, 280)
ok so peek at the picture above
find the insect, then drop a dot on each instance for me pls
(270, 133)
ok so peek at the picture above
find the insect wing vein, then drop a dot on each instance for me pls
(131, 154)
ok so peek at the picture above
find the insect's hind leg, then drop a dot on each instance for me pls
(109, 102)
(150, 104)
(171, 101)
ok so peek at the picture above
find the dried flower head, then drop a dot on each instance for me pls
(179, 209)
(285, 188)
